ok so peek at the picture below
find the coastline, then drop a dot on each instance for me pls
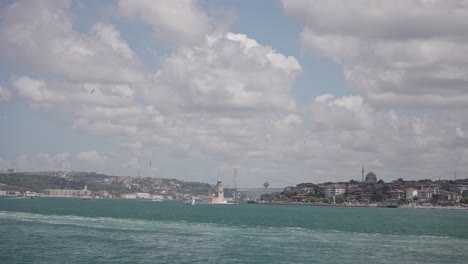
(370, 205)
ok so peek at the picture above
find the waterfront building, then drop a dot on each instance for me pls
(129, 196)
(397, 194)
(300, 198)
(29, 194)
(334, 190)
(445, 196)
(410, 193)
(218, 196)
(366, 196)
(143, 195)
(68, 192)
(424, 195)
(465, 193)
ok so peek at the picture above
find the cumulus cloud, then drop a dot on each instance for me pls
(5, 95)
(229, 72)
(177, 21)
(91, 155)
(395, 53)
(225, 97)
(53, 93)
(38, 162)
(40, 35)
(346, 113)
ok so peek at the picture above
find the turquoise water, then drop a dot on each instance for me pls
(60, 230)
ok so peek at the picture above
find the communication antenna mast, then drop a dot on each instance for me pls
(235, 185)
(150, 169)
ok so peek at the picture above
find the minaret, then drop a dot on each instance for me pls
(363, 174)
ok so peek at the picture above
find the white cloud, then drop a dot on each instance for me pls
(460, 132)
(133, 163)
(229, 73)
(91, 155)
(225, 98)
(4, 164)
(410, 53)
(346, 113)
(40, 35)
(176, 21)
(5, 95)
(54, 159)
(39, 162)
(47, 94)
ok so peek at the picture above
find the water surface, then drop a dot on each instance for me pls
(67, 230)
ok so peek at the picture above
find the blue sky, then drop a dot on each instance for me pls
(299, 91)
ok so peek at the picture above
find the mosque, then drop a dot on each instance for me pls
(370, 177)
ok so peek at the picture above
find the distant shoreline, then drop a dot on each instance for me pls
(373, 206)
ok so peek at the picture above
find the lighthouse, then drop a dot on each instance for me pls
(219, 193)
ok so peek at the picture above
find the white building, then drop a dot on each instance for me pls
(29, 194)
(68, 193)
(129, 196)
(334, 190)
(218, 197)
(143, 195)
(410, 193)
(424, 195)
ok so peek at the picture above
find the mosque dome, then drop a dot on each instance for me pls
(371, 177)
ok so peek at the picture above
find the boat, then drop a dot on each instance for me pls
(392, 205)
(190, 202)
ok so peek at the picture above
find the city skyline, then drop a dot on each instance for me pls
(297, 91)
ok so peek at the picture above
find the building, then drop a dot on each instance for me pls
(218, 197)
(397, 194)
(371, 178)
(68, 193)
(424, 195)
(465, 193)
(410, 193)
(445, 196)
(129, 196)
(334, 190)
(29, 194)
(143, 195)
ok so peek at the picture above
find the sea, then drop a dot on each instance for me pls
(69, 230)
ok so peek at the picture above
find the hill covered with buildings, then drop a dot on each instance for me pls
(115, 186)
(373, 191)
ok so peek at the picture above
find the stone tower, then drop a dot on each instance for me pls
(219, 193)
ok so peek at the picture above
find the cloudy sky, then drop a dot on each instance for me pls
(285, 91)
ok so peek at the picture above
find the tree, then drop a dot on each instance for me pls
(464, 200)
(376, 197)
(339, 199)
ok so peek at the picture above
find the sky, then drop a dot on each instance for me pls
(285, 91)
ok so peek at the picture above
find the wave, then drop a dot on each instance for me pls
(181, 227)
